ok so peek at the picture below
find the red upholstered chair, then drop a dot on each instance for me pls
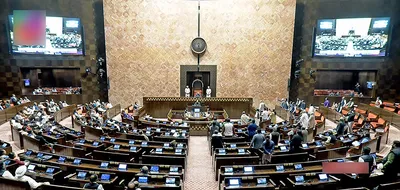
(380, 123)
(372, 117)
(389, 109)
(362, 112)
(359, 124)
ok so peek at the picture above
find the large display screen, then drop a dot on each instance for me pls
(62, 36)
(352, 37)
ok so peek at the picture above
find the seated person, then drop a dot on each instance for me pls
(93, 183)
(133, 185)
(12, 156)
(331, 138)
(126, 116)
(20, 175)
(144, 170)
(3, 154)
(4, 172)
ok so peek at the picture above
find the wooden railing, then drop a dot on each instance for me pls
(7, 114)
(112, 112)
(64, 113)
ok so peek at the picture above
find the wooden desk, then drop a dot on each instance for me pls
(40, 173)
(158, 182)
(94, 165)
(248, 183)
(311, 181)
(223, 161)
(73, 178)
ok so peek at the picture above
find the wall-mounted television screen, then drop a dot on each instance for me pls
(352, 37)
(63, 36)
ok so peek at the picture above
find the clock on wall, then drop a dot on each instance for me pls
(198, 45)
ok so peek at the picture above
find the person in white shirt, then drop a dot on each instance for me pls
(265, 115)
(208, 92)
(4, 172)
(187, 91)
(378, 102)
(257, 117)
(244, 119)
(261, 107)
(303, 119)
(227, 129)
(109, 105)
(311, 121)
(311, 109)
(20, 175)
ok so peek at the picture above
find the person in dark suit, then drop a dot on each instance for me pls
(93, 183)
(295, 143)
(251, 129)
(216, 140)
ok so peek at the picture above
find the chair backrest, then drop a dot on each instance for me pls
(381, 121)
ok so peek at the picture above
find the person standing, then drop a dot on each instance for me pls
(304, 133)
(275, 135)
(268, 147)
(311, 121)
(326, 103)
(350, 120)
(295, 143)
(311, 109)
(261, 107)
(340, 127)
(251, 129)
(227, 129)
(391, 163)
(303, 121)
(273, 117)
(187, 91)
(208, 92)
(244, 119)
(366, 157)
(214, 127)
(257, 140)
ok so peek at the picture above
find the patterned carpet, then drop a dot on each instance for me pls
(199, 172)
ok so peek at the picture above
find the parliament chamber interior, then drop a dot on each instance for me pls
(199, 94)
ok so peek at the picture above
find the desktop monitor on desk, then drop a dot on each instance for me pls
(169, 181)
(298, 167)
(280, 168)
(104, 165)
(105, 177)
(234, 182)
(81, 175)
(143, 179)
(49, 170)
(248, 169)
(229, 170)
(299, 179)
(261, 181)
(154, 169)
(323, 177)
